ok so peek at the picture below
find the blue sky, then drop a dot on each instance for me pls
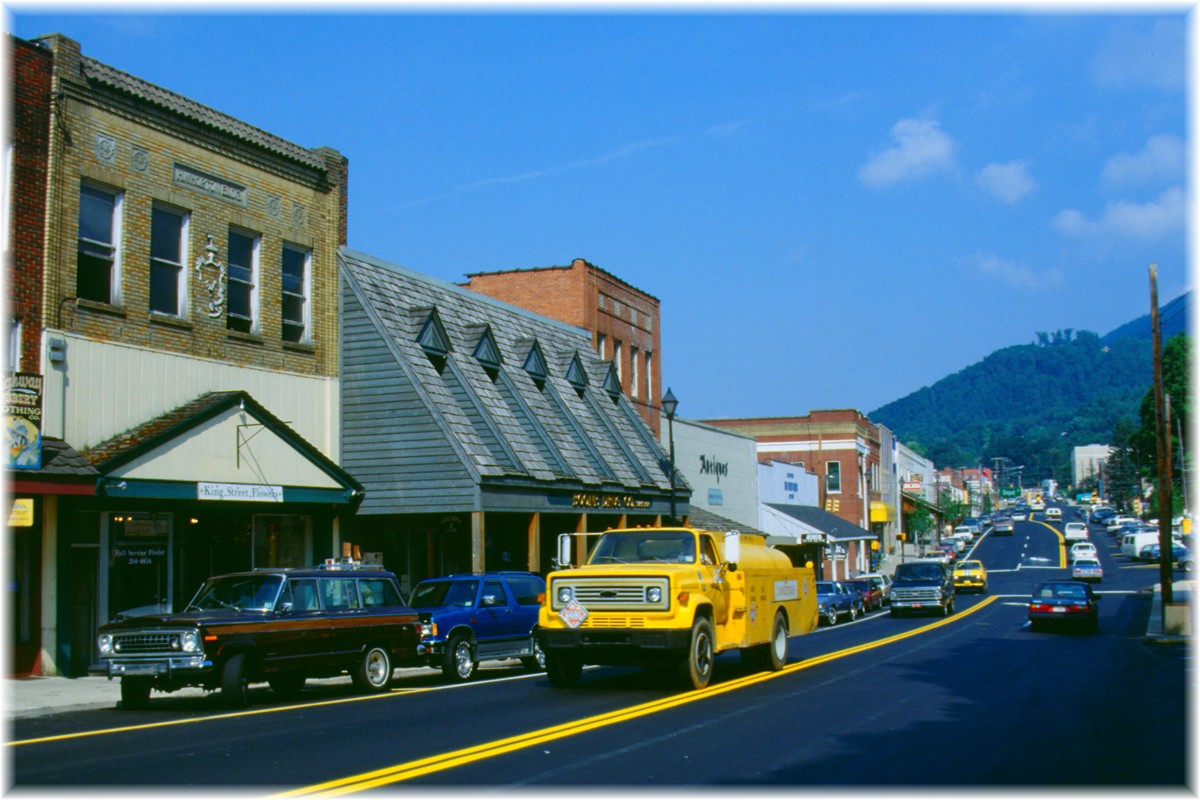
(834, 208)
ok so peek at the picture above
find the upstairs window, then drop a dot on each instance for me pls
(296, 282)
(833, 476)
(99, 232)
(242, 282)
(635, 376)
(168, 237)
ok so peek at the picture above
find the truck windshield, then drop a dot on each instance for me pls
(674, 547)
(238, 592)
(918, 572)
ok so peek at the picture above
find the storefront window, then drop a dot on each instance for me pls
(138, 550)
(281, 540)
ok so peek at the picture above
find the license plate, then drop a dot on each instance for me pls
(916, 605)
(1058, 610)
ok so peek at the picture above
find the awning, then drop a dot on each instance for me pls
(882, 512)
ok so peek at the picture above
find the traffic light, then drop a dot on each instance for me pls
(901, 537)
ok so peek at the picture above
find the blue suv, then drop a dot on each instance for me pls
(488, 616)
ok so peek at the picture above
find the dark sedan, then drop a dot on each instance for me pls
(834, 598)
(872, 594)
(1153, 552)
(1064, 603)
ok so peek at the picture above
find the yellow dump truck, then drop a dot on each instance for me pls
(673, 598)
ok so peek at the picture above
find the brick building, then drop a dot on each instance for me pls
(178, 307)
(623, 320)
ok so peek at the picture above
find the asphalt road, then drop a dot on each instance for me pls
(973, 700)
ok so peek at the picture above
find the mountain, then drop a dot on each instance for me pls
(1032, 403)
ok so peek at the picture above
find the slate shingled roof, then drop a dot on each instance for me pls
(508, 429)
(59, 460)
(831, 525)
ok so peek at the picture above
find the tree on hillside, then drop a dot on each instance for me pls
(1144, 441)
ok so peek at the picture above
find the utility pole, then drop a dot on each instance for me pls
(1164, 443)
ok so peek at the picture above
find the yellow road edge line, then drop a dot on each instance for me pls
(443, 761)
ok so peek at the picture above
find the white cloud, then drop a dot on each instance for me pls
(1016, 275)
(921, 148)
(1162, 157)
(1128, 219)
(1154, 58)
(1007, 182)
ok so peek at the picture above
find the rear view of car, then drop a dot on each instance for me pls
(1087, 569)
(1064, 604)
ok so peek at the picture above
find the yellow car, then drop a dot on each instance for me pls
(970, 575)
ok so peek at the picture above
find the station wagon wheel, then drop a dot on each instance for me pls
(537, 661)
(374, 672)
(459, 662)
(135, 692)
(235, 686)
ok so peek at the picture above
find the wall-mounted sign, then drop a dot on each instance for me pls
(209, 185)
(21, 515)
(23, 420)
(610, 501)
(252, 492)
(812, 538)
(710, 466)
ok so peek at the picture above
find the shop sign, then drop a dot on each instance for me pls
(21, 515)
(239, 491)
(23, 420)
(812, 538)
(138, 555)
(608, 501)
(209, 184)
(913, 486)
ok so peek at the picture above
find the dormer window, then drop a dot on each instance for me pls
(487, 353)
(535, 365)
(434, 341)
(577, 375)
(612, 383)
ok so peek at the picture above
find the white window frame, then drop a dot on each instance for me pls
(830, 468)
(305, 295)
(14, 345)
(114, 269)
(179, 267)
(255, 280)
(649, 376)
(634, 371)
(617, 360)
(601, 344)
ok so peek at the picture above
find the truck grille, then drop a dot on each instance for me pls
(921, 595)
(608, 594)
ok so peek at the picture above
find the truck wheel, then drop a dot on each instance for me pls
(776, 649)
(235, 686)
(563, 670)
(135, 692)
(537, 661)
(286, 684)
(697, 666)
(374, 672)
(459, 663)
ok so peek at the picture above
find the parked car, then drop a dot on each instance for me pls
(884, 582)
(1066, 603)
(1075, 532)
(960, 544)
(970, 575)
(972, 524)
(835, 599)
(1087, 569)
(489, 616)
(1116, 522)
(1082, 550)
(951, 552)
(1133, 543)
(872, 594)
(1187, 563)
(281, 626)
(1153, 552)
(965, 532)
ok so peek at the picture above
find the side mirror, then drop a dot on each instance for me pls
(564, 550)
(733, 549)
(285, 608)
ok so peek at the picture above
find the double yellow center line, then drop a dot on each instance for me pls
(457, 758)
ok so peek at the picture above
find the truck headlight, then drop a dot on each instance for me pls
(104, 644)
(654, 594)
(189, 641)
(564, 594)
(428, 630)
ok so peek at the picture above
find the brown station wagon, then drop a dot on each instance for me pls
(281, 626)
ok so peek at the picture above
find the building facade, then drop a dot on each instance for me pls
(720, 467)
(623, 320)
(481, 431)
(1087, 462)
(181, 322)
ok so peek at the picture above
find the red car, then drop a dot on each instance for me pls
(872, 595)
(950, 551)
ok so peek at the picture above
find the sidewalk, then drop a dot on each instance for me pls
(35, 697)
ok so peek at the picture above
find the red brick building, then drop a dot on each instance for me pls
(622, 319)
(840, 446)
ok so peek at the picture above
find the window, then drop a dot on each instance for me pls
(13, 351)
(649, 377)
(168, 235)
(377, 592)
(295, 293)
(833, 476)
(242, 279)
(601, 341)
(633, 362)
(338, 593)
(617, 359)
(99, 231)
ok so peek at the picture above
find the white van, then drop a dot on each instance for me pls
(1132, 543)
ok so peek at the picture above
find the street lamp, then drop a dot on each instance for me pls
(669, 404)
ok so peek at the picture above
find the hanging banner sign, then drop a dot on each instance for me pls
(23, 420)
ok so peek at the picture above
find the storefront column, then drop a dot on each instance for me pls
(477, 549)
(581, 541)
(49, 633)
(535, 542)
